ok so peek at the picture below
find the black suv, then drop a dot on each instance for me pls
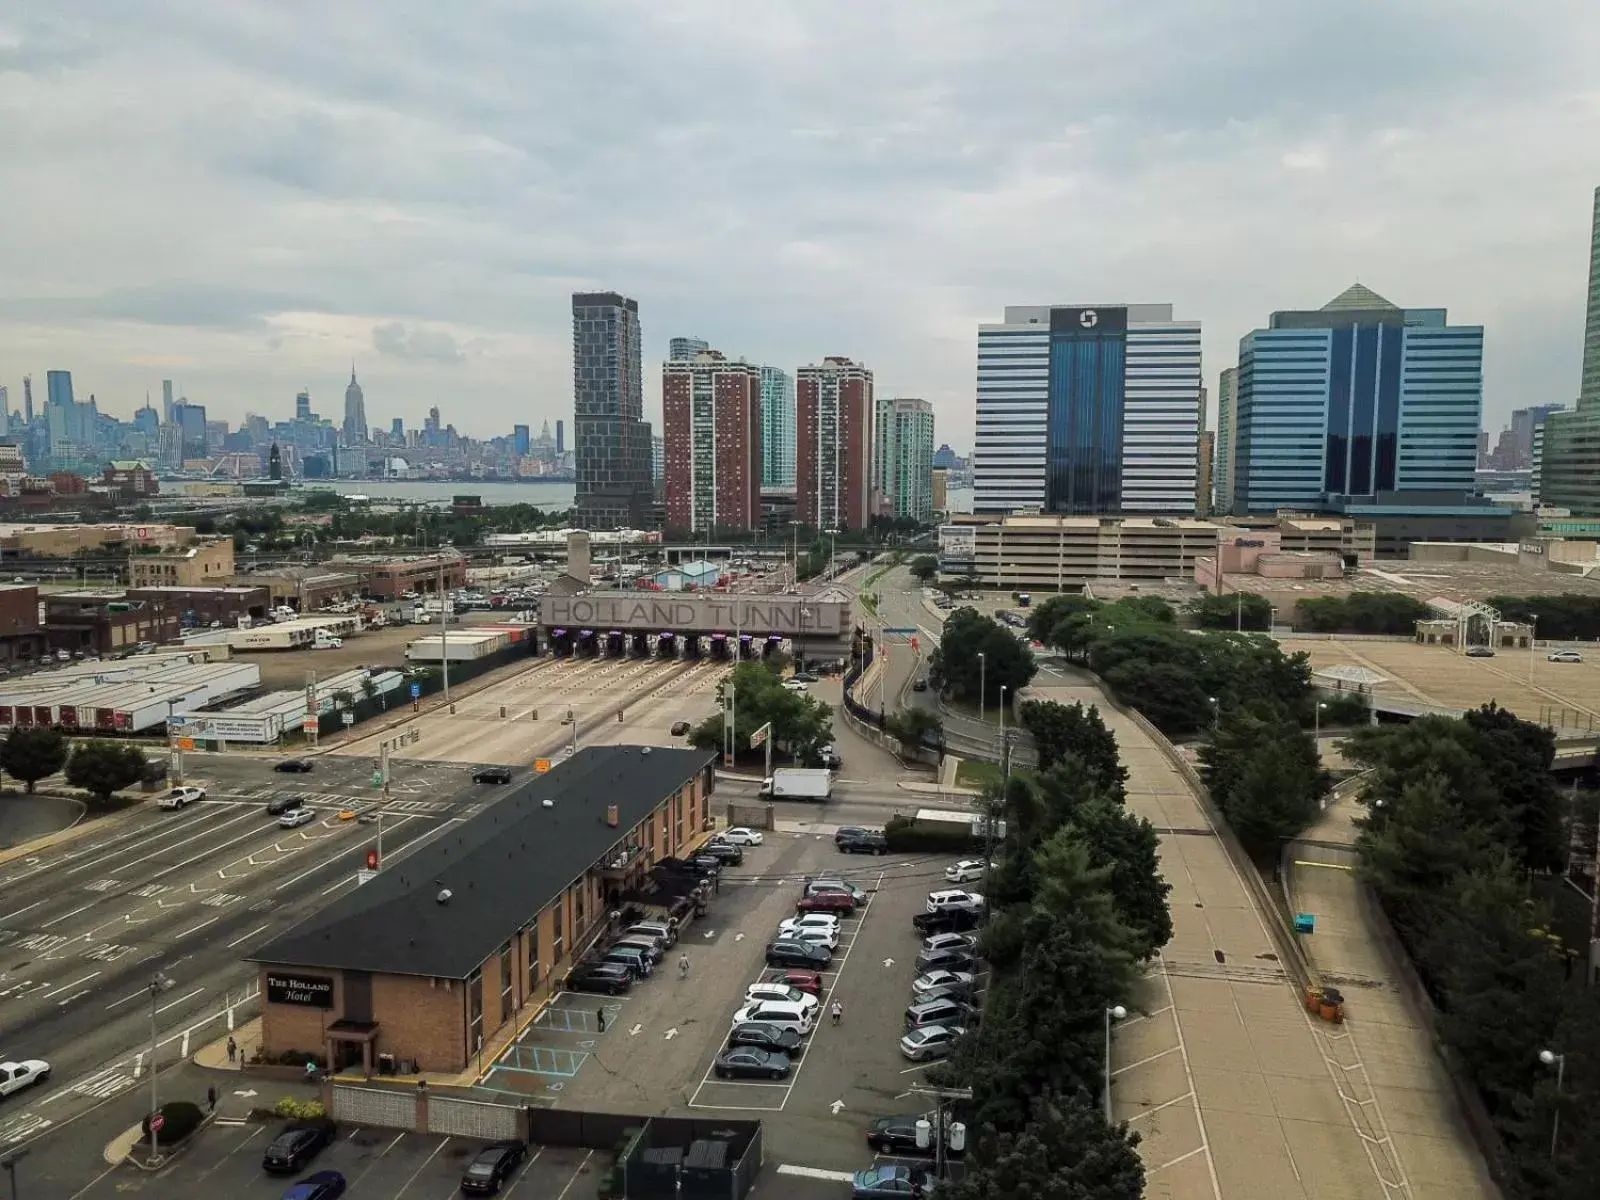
(765, 1036)
(863, 841)
(952, 920)
(793, 953)
(492, 775)
(279, 805)
(493, 1165)
(296, 1145)
(726, 851)
(294, 766)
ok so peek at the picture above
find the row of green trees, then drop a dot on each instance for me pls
(801, 726)
(1362, 612)
(1465, 839)
(1566, 617)
(1077, 904)
(99, 768)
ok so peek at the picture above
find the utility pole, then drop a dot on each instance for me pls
(158, 984)
(444, 634)
(941, 1125)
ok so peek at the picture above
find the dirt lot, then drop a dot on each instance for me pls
(375, 648)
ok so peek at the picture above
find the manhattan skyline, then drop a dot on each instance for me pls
(238, 219)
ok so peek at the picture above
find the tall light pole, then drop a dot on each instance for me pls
(1533, 636)
(1216, 711)
(158, 984)
(444, 626)
(981, 666)
(1316, 722)
(1115, 1013)
(1559, 1061)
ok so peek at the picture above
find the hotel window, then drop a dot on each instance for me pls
(505, 981)
(533, 960)
(579, 897)
(559, 921)
(475, 1009)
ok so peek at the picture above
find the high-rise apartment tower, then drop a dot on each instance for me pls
(711, 429)
(611, 439)
(833, 445)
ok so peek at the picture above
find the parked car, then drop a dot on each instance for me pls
(647, 944)
(1564, 656)
(791, 925)
(296, 1145)
(725, 852)
(929, 1042)
(815, 935)
(868, 841)
(492, 775)
(779, 991)
(741, 835)
(831, 902)
(935, 980)
(635, 958)
(296, 817)
(667, 931)
(679, 728)
(849, 831)
(953, 898)
(788, 953)
(805, 981)
(279, 805)
(803, 677)
(775, 1012)
(832, 883)
(611, 979)
(951, 959)
(181, 797)
(952, 921)
(765, 1037)
(293, 766)
(657, 938)
(946, 1010)
(966, 871)
(898, 1135)
(18, 1076)
(1479, 652)
(324, 1185)
(888, 1181)
(950, 941)
(491, 1167)
(750, 1062)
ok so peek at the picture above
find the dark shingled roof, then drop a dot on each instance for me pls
(502, 867)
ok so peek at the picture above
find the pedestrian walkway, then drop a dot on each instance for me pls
(1219, 1068)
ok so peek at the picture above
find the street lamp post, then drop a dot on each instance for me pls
(1559, 1061)
(1316, 721)
(1115, 1013)
(981, 666)
(1533, 636)
(158, 984)
(1216, 711)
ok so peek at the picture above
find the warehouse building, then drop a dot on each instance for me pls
(449, 952)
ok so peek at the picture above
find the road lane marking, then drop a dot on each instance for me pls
(68, 916)
(245, 937)
(73, 984)
(125, 999)
(179, 1000)
(20, 911)
(196, 928)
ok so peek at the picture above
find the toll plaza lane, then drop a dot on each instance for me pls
(84, 929)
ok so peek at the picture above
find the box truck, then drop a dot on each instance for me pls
(798, 783)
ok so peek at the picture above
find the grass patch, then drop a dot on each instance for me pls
(977, 774)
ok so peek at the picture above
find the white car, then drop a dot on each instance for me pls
(948, 941)
(178, 797)
(931, 1041)
(780, 992)
(935, 980)
(739, 835)
(1564, 656)
(297, 817)
(967, 870)
(14, 1076)
(954, 898)
(792, 925)
(794, 685)
(813, 935)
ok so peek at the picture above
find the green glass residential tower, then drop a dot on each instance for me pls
(902, 468)
(1568, 470)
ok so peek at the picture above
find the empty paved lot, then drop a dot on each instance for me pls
(1237, 1093)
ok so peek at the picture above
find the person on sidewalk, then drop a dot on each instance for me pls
(838, 1012)
(211, 1099)
(600, 1016)
(683, 966)
(233, 1049)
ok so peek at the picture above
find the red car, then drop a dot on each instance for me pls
(834, 902)
(805, 981)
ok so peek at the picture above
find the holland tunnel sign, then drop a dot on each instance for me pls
(787, 616)
(308, 991)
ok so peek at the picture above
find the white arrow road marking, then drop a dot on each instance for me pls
(672, 1033)
(888, 962)
(710, 933)
(836, 1106)
(634, 1032)
(246, 1093)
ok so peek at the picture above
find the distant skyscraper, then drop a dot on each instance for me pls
(902, 454)
(611, 439)
(274, 462)
(658, 461)
(1356, 399)
(5, 410)
(944, 458)
(1569, 448)
(682, 348)
(1086, 410)
(833, 444)
(58, 385)
(520, 440)
(27, 398)
(302, 406)
(1523, 422)
(561, 438)
(397, 430)
(777, 428)
(166, 400)
(1223, 445)
(355, 412)
(711, 427)
(190, 420)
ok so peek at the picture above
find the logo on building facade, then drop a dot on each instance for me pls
(1088, 318)
(307, 991)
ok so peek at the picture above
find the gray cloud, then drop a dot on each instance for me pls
(428, 345)
(268, 190)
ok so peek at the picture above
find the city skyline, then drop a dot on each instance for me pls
(243, 231)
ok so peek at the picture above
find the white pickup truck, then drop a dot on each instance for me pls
(15, 1076)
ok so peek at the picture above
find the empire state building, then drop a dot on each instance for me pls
(355, 412)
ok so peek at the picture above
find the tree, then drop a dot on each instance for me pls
(974, 649)
(101, 768)
(1060, 730)
(1274, 799)
(801, 726)
(30, 754)
(1238, 611)
(1066, 1151)
(915, 728)
(924, 567)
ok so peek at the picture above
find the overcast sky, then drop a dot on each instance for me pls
(245, 197)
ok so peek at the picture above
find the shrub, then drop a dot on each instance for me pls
(299, 1110)
(179, 1120)
(902, 835)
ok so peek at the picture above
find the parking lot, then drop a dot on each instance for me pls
(381, 1164)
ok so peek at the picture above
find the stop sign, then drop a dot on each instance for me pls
(156, 1122)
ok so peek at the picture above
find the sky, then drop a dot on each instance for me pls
(248, 197)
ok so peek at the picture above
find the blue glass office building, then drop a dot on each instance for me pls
(1357, 400)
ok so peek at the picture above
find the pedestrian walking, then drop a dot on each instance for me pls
(211, 1099)
(600, 1016)
(683, 967)
(311, 1070)
(233, 1049)
(838, 1012)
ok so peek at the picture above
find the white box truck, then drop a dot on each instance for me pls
(798, 783)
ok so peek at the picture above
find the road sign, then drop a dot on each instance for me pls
(541, 765)
(348, 717)
(759, 736)
(416, 690)
(916, 643)
(372, 860)
(901, 631)
(309, 725)
(156, 1122)
(185, 743)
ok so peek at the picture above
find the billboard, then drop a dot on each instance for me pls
(307, 991)
(786, 616)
